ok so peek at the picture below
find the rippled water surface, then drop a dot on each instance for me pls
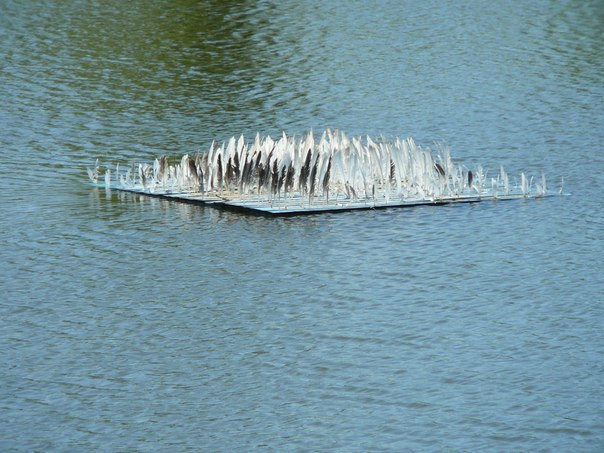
(135, 324)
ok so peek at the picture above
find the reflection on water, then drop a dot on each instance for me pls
(133, 323)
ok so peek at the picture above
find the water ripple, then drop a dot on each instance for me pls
(132, 323)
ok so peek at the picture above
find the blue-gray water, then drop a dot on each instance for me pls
(133, 324)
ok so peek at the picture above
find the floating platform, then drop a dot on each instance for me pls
(302, 176)
(296, 205)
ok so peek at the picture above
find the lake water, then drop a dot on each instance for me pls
(135, 324)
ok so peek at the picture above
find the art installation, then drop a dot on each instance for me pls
(335, 173)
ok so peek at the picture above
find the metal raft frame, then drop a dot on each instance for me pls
(296, 205)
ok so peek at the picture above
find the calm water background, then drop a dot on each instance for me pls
(130, 323)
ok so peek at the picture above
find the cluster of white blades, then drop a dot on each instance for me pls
(334, 172)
